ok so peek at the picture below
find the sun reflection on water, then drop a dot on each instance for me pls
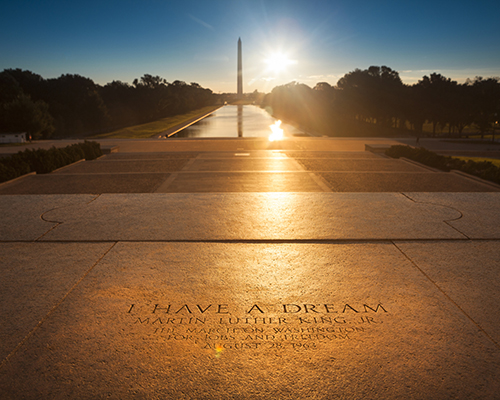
(277, 132)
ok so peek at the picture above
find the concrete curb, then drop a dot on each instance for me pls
(110, 149)
(475, 178)
(377, 148)
(18, 178)
(419, 164)
(69, 165)
(184, 125)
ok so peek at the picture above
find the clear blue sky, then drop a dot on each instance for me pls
(196, 41)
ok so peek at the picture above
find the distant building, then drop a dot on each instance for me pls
(13, 137)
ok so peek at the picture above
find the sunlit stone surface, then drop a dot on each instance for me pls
(260, 321)
(228, 269)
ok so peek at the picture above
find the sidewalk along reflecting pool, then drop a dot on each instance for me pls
(236, 121)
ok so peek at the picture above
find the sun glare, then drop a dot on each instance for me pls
(278, 62)
(277, 132)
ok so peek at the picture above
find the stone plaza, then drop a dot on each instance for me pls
(307, 268)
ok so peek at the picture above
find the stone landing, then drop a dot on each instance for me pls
(250, 295)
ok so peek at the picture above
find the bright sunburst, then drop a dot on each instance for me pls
(278, 62)
(277, 132)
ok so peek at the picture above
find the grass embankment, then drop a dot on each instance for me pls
(145, 131)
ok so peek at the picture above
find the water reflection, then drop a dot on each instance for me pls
(236, 121)
(277, 132)
(240, 121)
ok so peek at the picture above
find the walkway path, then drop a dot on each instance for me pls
(224, 165)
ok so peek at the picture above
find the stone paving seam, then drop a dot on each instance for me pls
(32, 331)
(328, 241)
(50, 230)
(320, 182)
(57, 222)
(166, 183)
(479, 327)
(172, 176)
(451, 226)
(270, 172)
(317, 179)
(446, 221)
(95, 198)
(48, 220)
(188, 165)
(436, 204)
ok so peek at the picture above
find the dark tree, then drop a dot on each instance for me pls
(437, 94)
(486, 94)
(76, 105)
(23, 115)
(9, 87)
(372, 95)
(31, 83)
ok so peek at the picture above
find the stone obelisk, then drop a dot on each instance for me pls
(240, 72)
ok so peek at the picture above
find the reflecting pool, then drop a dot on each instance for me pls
(236, 121)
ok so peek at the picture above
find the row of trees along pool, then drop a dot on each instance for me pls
(72, 105)
(376, 102)
(362, 103)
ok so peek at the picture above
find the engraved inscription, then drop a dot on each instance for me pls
(219, 327)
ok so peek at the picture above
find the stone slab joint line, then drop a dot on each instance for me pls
(59, 208)
(323, 184)
(188, 165)
(50, 230)
(22, 342)
(451, 226)
(57, 223)
(439, 205)
(446, 221)
(166, 183)
(162, 186)
(94, 199)
(479, 327)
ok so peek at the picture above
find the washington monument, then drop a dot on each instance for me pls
(240, 72)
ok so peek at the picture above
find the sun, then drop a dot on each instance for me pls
(278, 62)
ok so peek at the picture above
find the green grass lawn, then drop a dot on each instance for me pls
(149, 129)
(13, 144)
(485, 137)
(494, 161)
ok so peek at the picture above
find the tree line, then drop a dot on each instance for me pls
(376, 102)
(363, 102)
(73, 105)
